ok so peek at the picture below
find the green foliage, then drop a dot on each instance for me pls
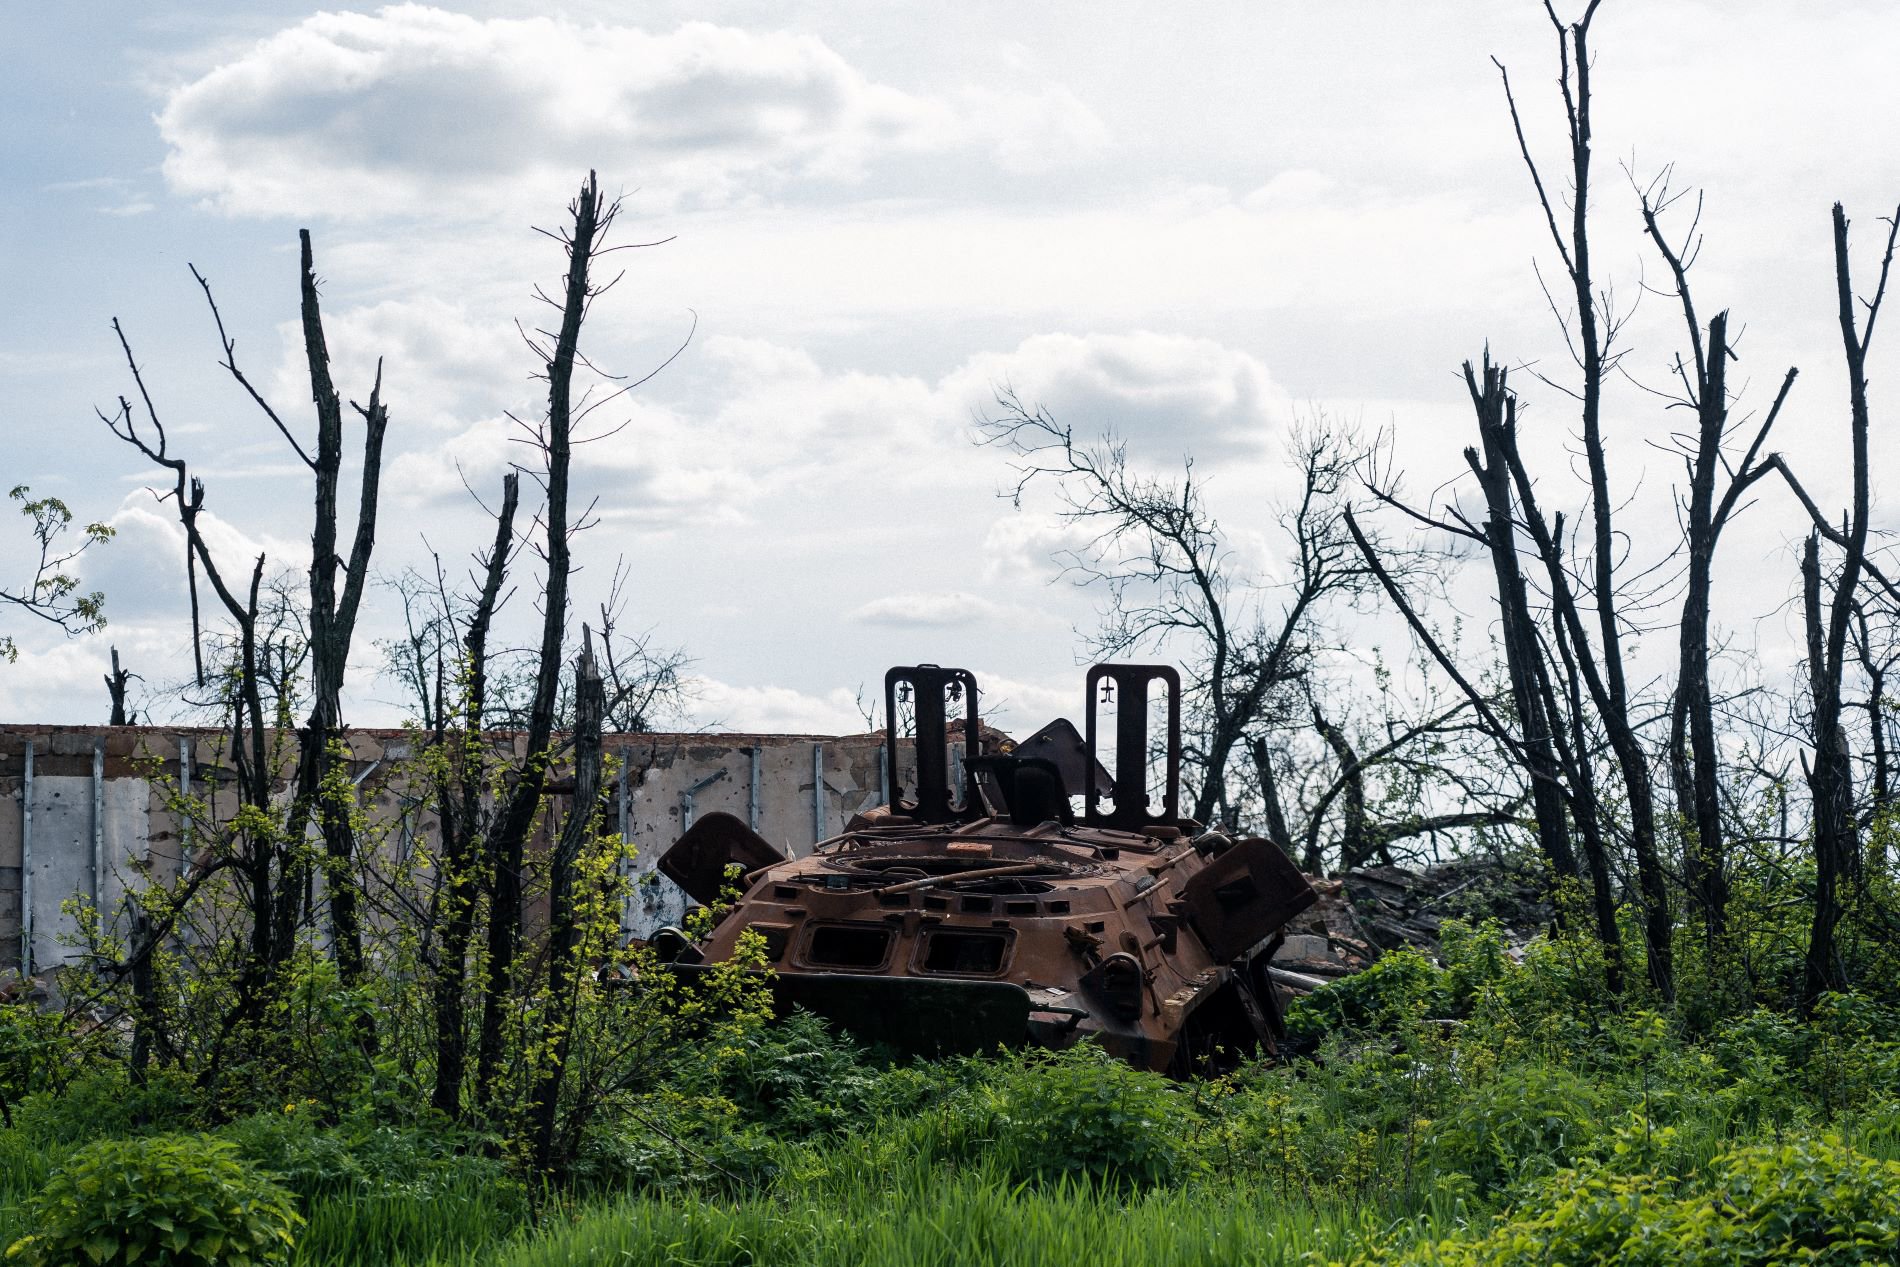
(38, 1052)
(365, 1155)
(1812, 1200)
(1083, 1113)
(169, 1200)
(107, 1104)
(1520, 1125)
(52, 591)
(1401, 985)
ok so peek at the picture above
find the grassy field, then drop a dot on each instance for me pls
(1480, 1115)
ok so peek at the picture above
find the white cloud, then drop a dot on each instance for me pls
(414, 109)
(934, 611)
(1167, 394)
(774, 710)
(441, 364)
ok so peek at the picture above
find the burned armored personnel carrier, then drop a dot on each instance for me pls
(1015, 893)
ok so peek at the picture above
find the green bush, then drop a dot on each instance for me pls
(107, 1103)
(1082, 1113)
(167, 1200)
(1805, 1201)
(1525, 1123)
(1401, 985)
(1809, 1200)
(363, 1155)
(796, 1076)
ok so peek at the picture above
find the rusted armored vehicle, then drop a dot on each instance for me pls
(1017, 893)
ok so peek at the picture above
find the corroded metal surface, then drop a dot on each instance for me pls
(985, 906)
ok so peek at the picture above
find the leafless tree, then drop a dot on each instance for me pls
(267, 857)
(1161, 561)
(1703, 378)
(1829, 617)
(118, 684)
(592, 215)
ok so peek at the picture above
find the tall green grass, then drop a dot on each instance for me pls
(972, 1221)
(400, 1227)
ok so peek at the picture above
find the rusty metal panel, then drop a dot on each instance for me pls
(1243, 896)
(698, 860)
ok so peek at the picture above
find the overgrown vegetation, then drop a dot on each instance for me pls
(1488, 1111)
(337, 1037)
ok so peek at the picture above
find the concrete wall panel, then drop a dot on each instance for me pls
(141, 767)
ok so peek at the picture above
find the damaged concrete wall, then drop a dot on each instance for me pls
(81, 808)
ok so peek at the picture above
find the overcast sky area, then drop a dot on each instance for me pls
(1191, 224)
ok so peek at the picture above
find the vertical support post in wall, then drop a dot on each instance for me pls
(26, 865)
(98, 824)
(622, 794)
(883, 774)
(752, 797)
(184, 794)
(817, 792)
(622, 786)
(687, 810)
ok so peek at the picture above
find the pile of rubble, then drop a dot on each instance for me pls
(1370, 910)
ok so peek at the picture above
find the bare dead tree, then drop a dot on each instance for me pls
(1490, 461)
(459, 791)
(267, 856)
(1828, 619)
(564, 966)
(1600, 665)
(591, 216)
(1693, 748)
(1162, 563)
(254, 852)
(333, 612)
(118, 682)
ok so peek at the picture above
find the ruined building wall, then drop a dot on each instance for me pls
(80, 806)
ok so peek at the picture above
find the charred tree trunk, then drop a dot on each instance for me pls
(1830, 784)
(116, 684)
(459, 806)
(1270, 801)
(1830, 780)
(1602, 670)
(1497, 427)
(564, 964)
(332, 626)
(507, 844)
(1356, 846)
(1692, 756)
(1586, 811)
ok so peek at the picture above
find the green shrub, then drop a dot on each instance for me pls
(167, 1200)
(1806, 1201)
(1402, 985)
(797, 1077)
(1809, 1200)
(365, 1156)
(1525, 1123)
(1082, 1113)
(106, 1103)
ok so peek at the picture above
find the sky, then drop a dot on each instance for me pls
(1189, 225)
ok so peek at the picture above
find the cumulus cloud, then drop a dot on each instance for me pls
(759, 432)
(934, 611)
(774, 709)
(414, 109)
(1166, 394)
(441, 363)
